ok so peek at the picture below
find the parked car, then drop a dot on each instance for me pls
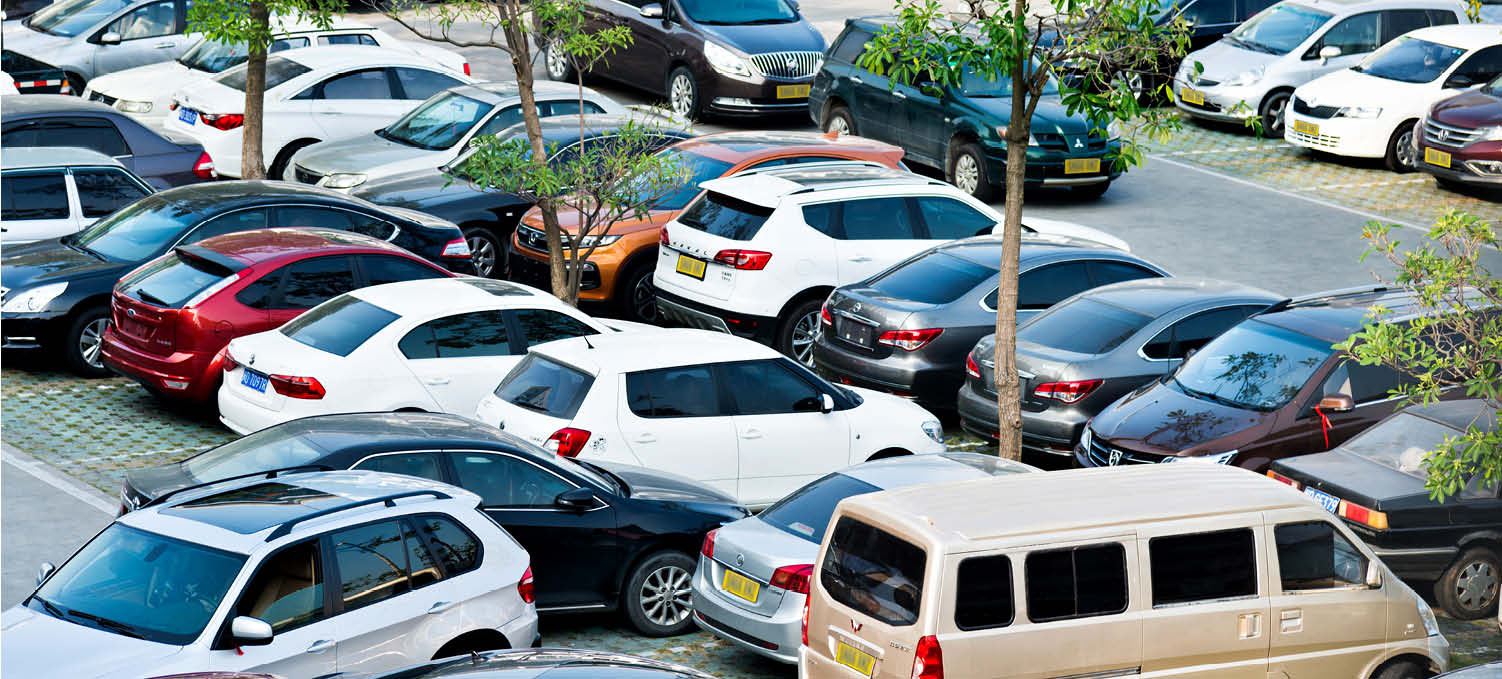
(1175, 571)
(1271, 387)
(718, 409)
(1253, 71)
(35, 76)
(488, 216)
(1461, 138)
(139, 92)
(163, 161)
(433, 346)
(312, 94)
(54, 191)
(1491, 670)
(955, 129)
(265, 574)
(15, 10)
(908, 330)
(1372, 110)
(540, 662)
(1375, 482)
(1095, 347)
(88, 38)
(57, 291)
(756, 254)
(744, 58)
(751, 584)
(619, 271)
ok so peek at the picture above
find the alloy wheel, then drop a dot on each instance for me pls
(837, 124)
(1132, 82)
(1476, 585)
(90, 340)
(805, 331)
(665, 596)
(483, 254)
(644, 299)
(1275, 110)
(681, 96)
(966, 173)
(557, 65)
(1405, 152)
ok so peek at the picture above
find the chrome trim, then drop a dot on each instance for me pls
(396, 229)
(1123, 672)
(1077, 181)
(1454, 136)
(855, 317)
(787, 66)
(1020, 372)
(583, 607)
(1432, 551)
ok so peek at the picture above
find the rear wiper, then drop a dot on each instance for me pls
(529, 405)
(150, 298)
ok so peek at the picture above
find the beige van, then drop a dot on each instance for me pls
(1180, 570)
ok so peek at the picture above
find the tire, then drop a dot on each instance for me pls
(1468, 588)
(284, 159)
(486, 252)
(1402, 669)
(76, 84)
(557, 66)
(840, 118)
(82, 341)
(966, 169)
(1401, 156)
(1092, 191)
(659, 595)
(635, 295)
(1273, 112)
(683, 93)
(796, 331)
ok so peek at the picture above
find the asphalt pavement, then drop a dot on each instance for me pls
(44, 516)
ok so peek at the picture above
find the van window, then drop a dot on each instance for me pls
(1078, 582)
(874, 572)
(983, 595)
(1203, 566)
(1314, 555)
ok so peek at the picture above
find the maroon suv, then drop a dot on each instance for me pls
(1461, 141)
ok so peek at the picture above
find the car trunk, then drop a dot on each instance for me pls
(142, 326)
(861, 314)
(148, 304)
(693, 262)
(753, 549)
(272, 353)
(1037, 364)
(1349, 477)
(712, 225)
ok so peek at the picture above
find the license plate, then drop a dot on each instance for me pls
(691, 266)
(1081, 165)
(1436, 157)
(1305, 127)
(741, 586)
(132, 328)
(187, 115)
(1192, 96)
(1326, 500)
(853, 332)
(254, 380)
(855, 659)
(792, 91)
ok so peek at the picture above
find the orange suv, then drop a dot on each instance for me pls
(620, 270)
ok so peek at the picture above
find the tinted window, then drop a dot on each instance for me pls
(673, 392)
(424, 465)
(1396, 22)
(311, 282)
(278, 70)
(511, 115)
(372, 563)
(96, 134)
(355, 39)
(947, 218)
(171, 280)
(1084, 326)
(1353, 35)
(287, 590)
(1313, 555)
(1253, 365)
(136, 232)
(234, 222)
(152, 21)
(340, 326)
(1109, 271)
(806, 512)
(457, 550)
(478, 333)
(724, 216)
(768, 388)
(366, 84)
(824, 218)
(334, 218)
(1363, 383)
(1442, 17)
(546, 387)
(874, 572)
(260, 293)
(34, 196)
(935, 278)
(420, 84)
(101, 192)
(1076, 583)
(566, 108)
(1194, 332)
(852, 44)
(1049, 284)
(983, 593)
(876, 219)
(1203, 566)
(1483, 65)
(505, 481)
(1208, 12)
(380, 269)
(421, 564)
(542, 325)
(281, 45)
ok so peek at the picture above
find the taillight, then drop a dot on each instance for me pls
(928, 660)
(223, 121)
(225, 360)
(749, 260)
(525, 588)
(805, 622)
(909, 340)
(172, 106)
(1359, 514)
(567, 441)
(793, 578)
(971, 367)
(457, 248)
(297, 387)
(708, 548)
(203, 168)
(1283, 479)
(466, 68)
(824, 316)
(662, 235)
(1068, 392)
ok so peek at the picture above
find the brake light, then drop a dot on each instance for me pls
(708, 549)
(525, 588)
(824, 316)
(226, 361)
(749, 260)
(457, 248)
(928, 660)
(805, 622)
(793, 578)
(466, 68)
(971, 367)
(223, 121)
(297, 387)
(1359, 514)
(1068, 392)
(203, 168)
(1283, 479)
(172, 106)
(909, 340)
(662, 235)
(567, 441)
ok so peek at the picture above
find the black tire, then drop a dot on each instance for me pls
(1092, 191)
(1468, 588)
(76, 84)
(284, 158)
(1273, 112)
(557, 66)
(683, 94)
(82, 340)
(486, 251)
(797, 330)
(966, 169)
(1401, 155)
(635, 295)
(659, 595)
(1402, 669)
(840, 118)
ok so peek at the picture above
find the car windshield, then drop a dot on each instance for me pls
(977, 84)
(271, 448)
(1404, 441)
(696, 167)
(1279, 29)
(137, 232)
(71, 17)
(439, 123)
(1410, 60)
(1084, 326)
(806, 512)
(278, 70)
(1255, 365)
(212, 56)
(739, 12)
(138, 584)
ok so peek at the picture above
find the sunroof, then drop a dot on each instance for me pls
(497, 288)
(255, 508)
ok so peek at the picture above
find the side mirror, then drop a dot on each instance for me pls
(1373, 575)
(1327, 53)
(45, 572)
(1459, 81)
(826, 403)
(1337, 403)
(651, 10)
(577, 499)
(110, 38)
(247, 631)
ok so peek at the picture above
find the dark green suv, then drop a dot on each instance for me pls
(957, 130)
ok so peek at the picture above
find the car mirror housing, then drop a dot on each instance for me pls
(248, 631)
(1327, 53)
(1373, 575)
(1459, 81)
(110, 38)
(826, 403)
(45, 572)
(577, 499)
(651, 10)
(1337, 403)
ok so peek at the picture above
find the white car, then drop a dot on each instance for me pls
(312, 95)
(434, 345)
(139, 92)
(296, 574)
(757, 252)
(435, 133)
(1373, 109)
(53, 191)
(721, 410)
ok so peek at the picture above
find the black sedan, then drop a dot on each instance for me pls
(1375, 482)
(57, 290)
(540, 663)
(601, 536)
(58, 120)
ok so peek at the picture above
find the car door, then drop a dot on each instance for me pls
(460, 357)
(102, 190)
(921, 113)
(36, 204)
(148, 34)
(1324, 619)
(673, 419)
(1356, 36)
(287, 591)
(574, 552)
(1208, 614)
(870, 97)
(870, 234)
(353, 102)
(644, 60)
(784, 437)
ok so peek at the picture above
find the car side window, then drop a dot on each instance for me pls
(102, 191)
(287, 589)
(419, 84)
(380, 269)
(503, 481)
(260, 293)
(1363, 383)
(876, 219)
(370, 83)
(152, 21)
(334, 218)
(467, 335)
(566, 108)
(769, 388)
(1444, 17)
(1049, 284)
(1108, 271)
(1353, 35)
(311, 282)
(234, 222)
(948, 219)
(1210, 13)
(95, 134)
(1203, 566)
(283, 44)
(790, 160)
(424, 465)
(983, 597)
(1193, 332)
(1396, 22)
(456, 548)
(348, 39)
(1314, 555)
(1078, 582)
(1482, 66)
(506, 117)
(852, 44)
(372, 562)
(673, 392)
(33, 195)
(544, 325)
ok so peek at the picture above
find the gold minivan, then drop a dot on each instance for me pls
(1182, 570)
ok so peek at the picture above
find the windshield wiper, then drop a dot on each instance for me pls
(1213, 398)
(529, 405)
(52, 608)
(150, 298)
(73, 245)
(111, 625)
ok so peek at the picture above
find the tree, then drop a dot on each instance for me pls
(249, 22)
(1454, 343)
(1105, 43)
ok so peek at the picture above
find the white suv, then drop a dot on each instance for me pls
(265, 573)
(757, 253)
(718, 409)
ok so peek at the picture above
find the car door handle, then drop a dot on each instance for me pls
(857, 79)
(752, 433)
(861, 258)
(321, 645)
(898, 94)
(644, 438)
(440, 607)
(1250, 626)
(165, 45)
(1290, 621)
(435, 380)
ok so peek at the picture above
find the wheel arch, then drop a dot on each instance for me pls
(830, 101)
(884, 453)
(484, 639)
(285, 153)
(1402, 656)
(1281, 88)
(817, 291)
(1490, 539)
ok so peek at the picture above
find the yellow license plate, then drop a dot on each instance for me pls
(855, 659)
(1436, 157)
(1192, 96)
(741, 586)
(1306, 128)
(691, 266)
(1081, 165)
(792, 91)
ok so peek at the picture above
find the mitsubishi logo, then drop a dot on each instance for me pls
(1115, 457)
(1078, 144)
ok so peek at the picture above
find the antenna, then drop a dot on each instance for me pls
(587, 342)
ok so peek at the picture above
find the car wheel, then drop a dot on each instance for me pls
(1133, 82)
(683, 93)
(1092, 191)
(1401, 155)
(1401, 670)
(799, 329)
(839, 120)
(1273, 112)
(1468, 588)
(85, 337)
(485, 251)
(558, 66)
(659, 595)
(636, 294)
(966, 169)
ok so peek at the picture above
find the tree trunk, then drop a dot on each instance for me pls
(252, 165)
(1008, 400)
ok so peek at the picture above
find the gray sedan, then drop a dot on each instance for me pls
(86, 38)
(56, 120)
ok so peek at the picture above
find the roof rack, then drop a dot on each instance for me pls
(1323, 296)
(269, 473)
(388, 500)
(813, 166)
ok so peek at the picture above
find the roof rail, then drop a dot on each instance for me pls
(388, 500)
(1322, 296)
(916, 180)
(814, 166)
(269, 473)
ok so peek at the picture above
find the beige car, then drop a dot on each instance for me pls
(1182, 570)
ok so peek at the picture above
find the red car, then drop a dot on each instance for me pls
(1461, 138)
(174, 315)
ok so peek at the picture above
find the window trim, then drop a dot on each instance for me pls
(1143, 355)
(599, 503)
(222, 640)
(70, 192)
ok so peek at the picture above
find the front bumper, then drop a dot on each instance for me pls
(31, 331)
(676, 310)
(1351, 137)
(777, 636)
(187, 375)
(531, 268)
(734, 97)
(1049, 167)
(1462, 163)
(1230, 104)
(902, 374)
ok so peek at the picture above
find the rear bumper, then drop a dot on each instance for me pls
(522, 631)
(242, 416)
(777, 636)
(1052, 432)
(931, 384)
(186, 375)
(676, 310)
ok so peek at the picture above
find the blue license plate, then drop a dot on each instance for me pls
(187, 115)
(1326, 500)
(254, 380)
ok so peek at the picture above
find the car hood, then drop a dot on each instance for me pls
(653, 484)
(798, 36)
(34, 44)
(144, 83)
(568, 220)
(209, 96)
(38, 645)
(1049, 117)
(770, 546)
(425, 189)
(1354, 88)
(1163, 420)
(49, 261)
(887, 409)
(153, 482)
(1471, 109)
(1222, 60)
(370, 154)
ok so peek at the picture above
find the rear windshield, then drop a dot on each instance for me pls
(726, 217)
(173, 279)
(271, 448)
(278, 71)
(806, 512)
(1083, 326)
(340, 325)
(545, 386)
(934, 278)
(874, 572)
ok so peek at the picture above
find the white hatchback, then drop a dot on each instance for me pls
(434, 345)
(722, 410)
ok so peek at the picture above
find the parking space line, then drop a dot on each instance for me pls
(1271, 147)
(1363, 185)
(45, 474)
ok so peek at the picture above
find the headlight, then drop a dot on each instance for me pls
(1493, 133)
(1244, 78)
(1431, 626)
(600, 241)
(1113, 130)
(725, 61)
(342, 181)
(1001, 131)
(934, 430)
(1223, 458)
(1361, 112)
(1085, 437)
(133, 106)
(34, 299)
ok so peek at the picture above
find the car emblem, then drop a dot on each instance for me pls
(740, 560)
(792, 64)
(1444, 135)
(1115, 457)
(856, 626)
(252, 360)
(856, 308)
(1078, 144)
(130, 312)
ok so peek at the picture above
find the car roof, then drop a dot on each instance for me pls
(264, 245)
(212, 198)
(1464, 36)
(650, 349)
(53, 156)
(734, 147)
(1349, 6)
(439, 295)
(501, 90)
(909, 470)
(333, 57)
(986, 250)
(1155, 297)
(767, 187)
(530, 663)
(1459, 415)
(383, 431)
(564, 129)
(32, 104)
(1332, 316)
(300, 23)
